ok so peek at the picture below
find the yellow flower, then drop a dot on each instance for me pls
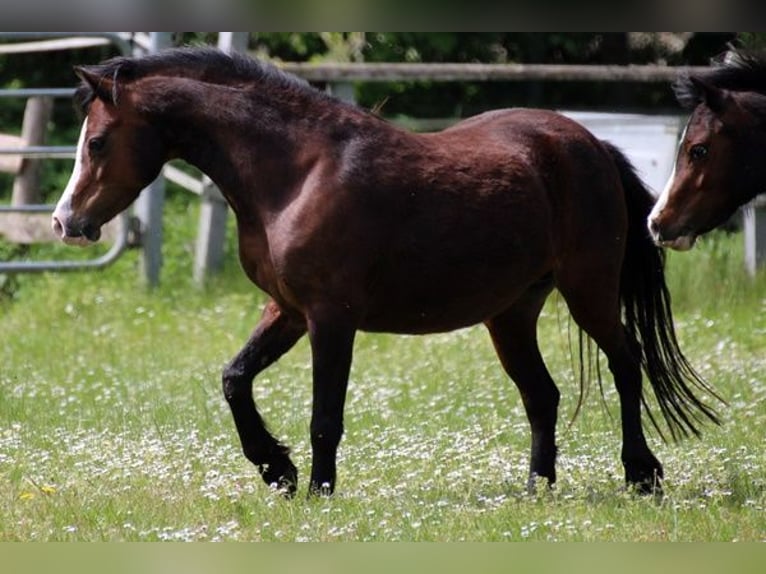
(26, 495)
(48, 489)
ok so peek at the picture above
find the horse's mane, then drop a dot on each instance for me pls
(200, 63)
(736, 70)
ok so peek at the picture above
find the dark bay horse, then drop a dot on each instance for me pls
(721, 161)
(350, 223)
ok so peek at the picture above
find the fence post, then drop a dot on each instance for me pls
(233, 41)
(211, 231)
(26, 185)
(343, 91)
(149, 205)
(754, 218)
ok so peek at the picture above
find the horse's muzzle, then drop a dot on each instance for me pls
(682, 241)
(75, 234)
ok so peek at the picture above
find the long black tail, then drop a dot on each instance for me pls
(647, 314)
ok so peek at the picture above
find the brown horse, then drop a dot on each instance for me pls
(350, 223)
(720, 163)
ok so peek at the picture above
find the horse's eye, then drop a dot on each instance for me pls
(698, 152)
(96, 144)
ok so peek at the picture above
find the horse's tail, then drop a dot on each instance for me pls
(645, 301)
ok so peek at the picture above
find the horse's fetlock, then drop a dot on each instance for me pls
(326, 435)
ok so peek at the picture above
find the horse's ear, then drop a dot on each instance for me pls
(714, 97)
(103, 87)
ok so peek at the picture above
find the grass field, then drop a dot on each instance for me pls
(113, 426)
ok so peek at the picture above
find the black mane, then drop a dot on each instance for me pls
(201, 63)
(736, 70)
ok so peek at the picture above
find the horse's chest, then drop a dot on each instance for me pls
(256, 260)
(264, 265)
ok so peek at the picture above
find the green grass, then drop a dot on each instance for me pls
(113, 426)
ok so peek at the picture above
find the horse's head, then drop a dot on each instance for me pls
(719, 167)
(118, 154)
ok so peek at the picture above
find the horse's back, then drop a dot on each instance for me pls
(529, 122)
(538, 142)
(574, 168)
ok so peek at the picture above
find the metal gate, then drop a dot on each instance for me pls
(40, 42)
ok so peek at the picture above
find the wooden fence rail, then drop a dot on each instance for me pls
(447, 72)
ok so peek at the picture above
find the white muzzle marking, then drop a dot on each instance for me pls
(662, 201)
(63, 211)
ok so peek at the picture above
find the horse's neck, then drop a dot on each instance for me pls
(248, 147)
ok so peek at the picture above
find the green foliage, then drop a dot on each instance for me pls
(714, 277)
(752, 40)
(288, 46)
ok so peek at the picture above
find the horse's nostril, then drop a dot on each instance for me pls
(58, 227)
(91, 232)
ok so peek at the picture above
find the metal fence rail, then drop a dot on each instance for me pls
(121, 244)
(48, 152)
(46, 41)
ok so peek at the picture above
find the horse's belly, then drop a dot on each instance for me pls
(439, 308)
(420, 323)
(447, 286)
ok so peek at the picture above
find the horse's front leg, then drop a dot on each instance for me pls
(332, 341)
(274, 335)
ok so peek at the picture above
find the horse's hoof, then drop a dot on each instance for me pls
(323, 490)
(282, 477)
(648, 487)
(537, 482)
(645, 481)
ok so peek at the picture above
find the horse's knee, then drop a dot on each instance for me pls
(234, 382)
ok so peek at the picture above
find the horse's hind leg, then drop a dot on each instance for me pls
(274, 335)
(594, 305)
(514, 334)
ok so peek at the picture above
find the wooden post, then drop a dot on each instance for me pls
(343, 91)
(149, 205)
(26, 185)
(233, 41)
(754, 216)
(211, 231)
